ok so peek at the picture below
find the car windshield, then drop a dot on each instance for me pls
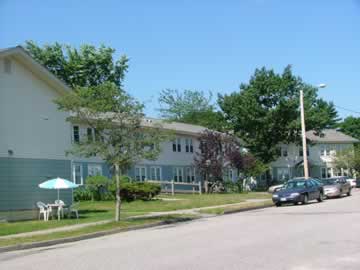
(329, 181)
(294, 184)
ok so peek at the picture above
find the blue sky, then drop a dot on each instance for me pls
(204, 45)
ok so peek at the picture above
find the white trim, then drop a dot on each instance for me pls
(141, 176)
(74, 173)
(176, 173)
(157, 177)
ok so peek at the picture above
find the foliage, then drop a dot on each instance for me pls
(82, 194)
(97, 185)
(139, 191)
(116, 119)
(349, 159)
(192, 107)
(351, 126)
(219, 151)
(84, 67)
(266, 111)
(209, 161)
(233, 187)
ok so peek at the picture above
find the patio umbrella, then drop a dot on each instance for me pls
(58, 183)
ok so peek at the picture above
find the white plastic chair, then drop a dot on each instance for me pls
(74, 208)
(61, 207)
(43, 210)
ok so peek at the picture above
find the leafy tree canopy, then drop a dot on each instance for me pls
(192, 107)
(351, 126)
(266, 111)
(83, 67)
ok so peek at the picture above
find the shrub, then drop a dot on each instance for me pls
(131, 191)
(97, 186)
(82, 194)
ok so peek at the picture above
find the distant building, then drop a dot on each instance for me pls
(321, 151)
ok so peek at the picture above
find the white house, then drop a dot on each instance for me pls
(34, 136)
(321, 151)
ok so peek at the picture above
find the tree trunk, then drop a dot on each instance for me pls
(118, 199)
(268, 178)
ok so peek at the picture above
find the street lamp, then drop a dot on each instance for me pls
(303, 133)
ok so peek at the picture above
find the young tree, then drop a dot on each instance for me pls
(219, 151)
(119, 137)
(84, 67)
(192, 107)
(209, 160)
(348, 159)
(266, 111)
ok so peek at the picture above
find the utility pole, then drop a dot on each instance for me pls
(303, 132)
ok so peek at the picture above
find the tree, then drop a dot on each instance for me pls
(266, 111)
(348, 159)
(243, 161)
(118, 137)
(351, 126)
(210, 159)
(84, 67)
(219, 151)
(192, 107)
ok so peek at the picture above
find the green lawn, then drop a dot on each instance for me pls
(93, 229)
(96, 211)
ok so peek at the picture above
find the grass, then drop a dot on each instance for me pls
(93, 229)
(97, 211)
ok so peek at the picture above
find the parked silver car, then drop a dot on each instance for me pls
(336, 187)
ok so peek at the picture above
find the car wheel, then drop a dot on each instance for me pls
(305, 199)
(321, 197)
(349, 192)
(278, 204)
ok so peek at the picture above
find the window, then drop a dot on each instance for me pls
(178, 141)
(190, 174)
(228, 174)
(94, 169)
(89, 133)
(327, 150)
(189, 146)
(76, 134)
(155, 173)
(78, 174)
(284, 152)
(283, 174)
(178, 174)
(326, 172)
(301, 152)
(140, 173)
(176, 145)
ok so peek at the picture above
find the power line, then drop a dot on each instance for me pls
(345, 109)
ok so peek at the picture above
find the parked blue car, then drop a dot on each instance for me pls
(299, 190)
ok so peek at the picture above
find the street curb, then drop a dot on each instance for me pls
(115, 231)
(247, 209)
(90, 235)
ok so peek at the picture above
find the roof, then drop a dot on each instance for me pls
(330, 136)
(174, 126)
(20, 54)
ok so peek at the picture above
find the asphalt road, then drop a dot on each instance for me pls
(315, 236)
